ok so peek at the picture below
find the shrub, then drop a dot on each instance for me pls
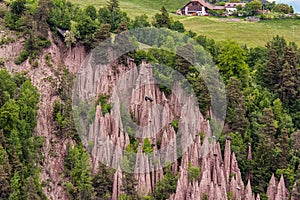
(193, 173)
(147, 147)
(105, 106)
(174, 123)
(35, 64)
(22, 57)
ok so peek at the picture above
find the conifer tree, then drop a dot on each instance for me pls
(5, 187)
(103, 182)
(264, 159)
(113, 5)
(236, 110)
(129, 184)
(162, 20)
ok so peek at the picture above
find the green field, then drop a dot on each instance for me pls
(137, 7)
(252, 34)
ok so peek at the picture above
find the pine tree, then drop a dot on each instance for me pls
(288, 77)
(113, 5)
(78, 171)
(30, 189)
(98, 37)
(162, 20)
(282, 142)
(4, 161)
(129, 184)
(5, 187)
(42, 15)
(287, 90)
(91, 11)
(103, 182)
(236, 109)
(274, 66)
(15, 184)
(264, 159)
(166, 186)
(5, 170)
(200, 89)
(102, 34)
(184, 59)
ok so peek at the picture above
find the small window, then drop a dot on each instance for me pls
(234, 5)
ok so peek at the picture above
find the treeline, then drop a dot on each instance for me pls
(86, 25)
(20, 156)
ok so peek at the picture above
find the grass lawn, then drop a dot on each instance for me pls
(249, 33)
(145, 6)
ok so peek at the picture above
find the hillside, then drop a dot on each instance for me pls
(134, 7)
(219, 29)
(95, 106)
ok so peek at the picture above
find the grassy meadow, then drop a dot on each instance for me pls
(249, 33)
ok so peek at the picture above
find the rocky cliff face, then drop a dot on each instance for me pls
(129, 85)
(54, 147)
(220, 177)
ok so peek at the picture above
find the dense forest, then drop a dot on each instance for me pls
(262, 89)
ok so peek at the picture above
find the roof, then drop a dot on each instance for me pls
(219, 7)
(206, 4)
(233, 5)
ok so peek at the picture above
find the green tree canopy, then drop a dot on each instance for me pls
(231, 61)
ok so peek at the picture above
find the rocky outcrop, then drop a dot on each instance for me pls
(54, 147)
(129, 86)
(277, 191)
(213, 182)
(272, 188)
(248, 192)
(117, 184)
(282, 192)
(295, 192)
(220, 176)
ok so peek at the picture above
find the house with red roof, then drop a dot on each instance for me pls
(201, 7)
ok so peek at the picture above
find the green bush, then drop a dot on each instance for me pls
(22, 57)
(166, 186)
(147, 147)
(105, 106)
(193, 173)
(229, 195)
(2, 62)
(174, 123)
(35, 64)
(6, 40)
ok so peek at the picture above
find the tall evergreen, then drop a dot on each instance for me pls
(113, 5)
(264, 159)
(129, 184)
(103, 182)
(162, 20)
(4, 182)
(236, 109)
